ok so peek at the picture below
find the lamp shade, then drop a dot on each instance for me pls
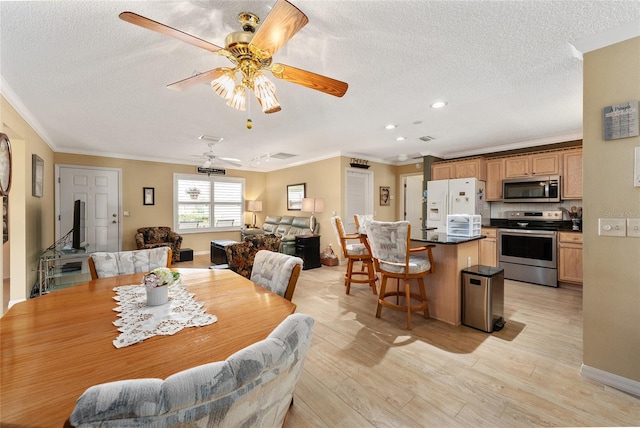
(254, 206)
(313, 205)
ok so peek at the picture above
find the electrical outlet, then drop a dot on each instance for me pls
(612, 227)
(633, 227)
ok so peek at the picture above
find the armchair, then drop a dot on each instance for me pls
(240, 256)
(160, 236)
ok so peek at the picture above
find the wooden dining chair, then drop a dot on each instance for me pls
(106, 264)
(354, 252)
(277, 272)
(394, 258)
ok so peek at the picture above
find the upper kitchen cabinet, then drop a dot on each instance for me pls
(442, 171)
(495, 175)
(572, 178)
(465, 168)
(470, 168)
(532, 165)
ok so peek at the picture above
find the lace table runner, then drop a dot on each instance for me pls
(138, 322)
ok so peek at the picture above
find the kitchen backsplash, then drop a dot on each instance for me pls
(499, 209)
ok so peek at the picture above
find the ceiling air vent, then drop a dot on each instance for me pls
(427, 138)
(282, 155)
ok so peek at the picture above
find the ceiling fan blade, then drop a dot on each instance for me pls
(206, 76)
(152, 25)
(282, 23)
(310, 80)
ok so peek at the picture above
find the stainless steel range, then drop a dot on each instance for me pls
(527, 246)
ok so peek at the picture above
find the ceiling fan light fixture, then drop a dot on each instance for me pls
(207, 163)
(265, 91)
(224, 84)
(238, 98)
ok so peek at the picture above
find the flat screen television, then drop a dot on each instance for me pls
(78, 240)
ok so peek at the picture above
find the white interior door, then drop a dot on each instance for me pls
(413, 203)
(359, 197)
(100, 190)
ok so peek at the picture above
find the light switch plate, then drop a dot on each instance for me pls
(633, 227)
(612, 227)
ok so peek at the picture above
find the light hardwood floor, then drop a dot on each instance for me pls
(367, 372)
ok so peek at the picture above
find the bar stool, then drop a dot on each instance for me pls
(394, 258)
(358, 252)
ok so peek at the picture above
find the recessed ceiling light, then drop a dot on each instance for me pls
(400, 139)
(439, 104)
(390, 126)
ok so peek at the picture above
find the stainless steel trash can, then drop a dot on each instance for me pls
(483, 297)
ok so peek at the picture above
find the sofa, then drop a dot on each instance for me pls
(285, 227)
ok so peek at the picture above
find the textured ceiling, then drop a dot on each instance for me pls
(91, 83)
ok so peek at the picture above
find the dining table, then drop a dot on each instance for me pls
(55, 346)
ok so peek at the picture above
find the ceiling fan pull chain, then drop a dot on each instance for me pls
(249, 121)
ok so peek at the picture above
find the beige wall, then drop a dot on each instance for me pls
(611, 265)
(139, 174)
(31, 227)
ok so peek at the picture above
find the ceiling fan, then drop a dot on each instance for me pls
(251, 52)
(211, 158)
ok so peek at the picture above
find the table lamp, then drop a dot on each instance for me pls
(313, 205)
(254, 207)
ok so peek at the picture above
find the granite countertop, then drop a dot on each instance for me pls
(443, 238)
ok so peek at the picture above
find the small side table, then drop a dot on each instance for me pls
(308, 249)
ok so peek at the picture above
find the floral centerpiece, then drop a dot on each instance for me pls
(159, 277)
(156, 284)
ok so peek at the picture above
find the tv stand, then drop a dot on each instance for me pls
(60, 268)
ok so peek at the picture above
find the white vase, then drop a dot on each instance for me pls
(157, 295)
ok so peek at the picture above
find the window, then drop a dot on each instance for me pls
(207, 204)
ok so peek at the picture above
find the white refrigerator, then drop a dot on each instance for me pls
(457, 196)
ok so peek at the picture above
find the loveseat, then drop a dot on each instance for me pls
(286, 227)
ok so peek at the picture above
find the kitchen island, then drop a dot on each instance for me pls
(452, 254)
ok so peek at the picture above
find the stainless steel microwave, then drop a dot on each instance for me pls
(531, 189)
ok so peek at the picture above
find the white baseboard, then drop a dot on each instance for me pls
(622, 383)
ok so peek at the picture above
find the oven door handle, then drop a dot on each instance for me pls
(528, 232)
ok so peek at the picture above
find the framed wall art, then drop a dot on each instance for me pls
(385, 195)
(37, 176)
(295, 194)
(148, 196)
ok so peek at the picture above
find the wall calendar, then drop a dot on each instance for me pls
(621, 121)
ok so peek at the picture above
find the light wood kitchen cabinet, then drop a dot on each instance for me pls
(442, 171)
(495, 175)
(532, 165)
(470, 168)
(572, 178)
(488, 247)
(570, 257)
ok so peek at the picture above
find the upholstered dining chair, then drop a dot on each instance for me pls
(104, 264)
(253, 387)
(277, 272)
(361, 221)
(354, 252)
(394, 258)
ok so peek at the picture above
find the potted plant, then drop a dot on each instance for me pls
(157, 284)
